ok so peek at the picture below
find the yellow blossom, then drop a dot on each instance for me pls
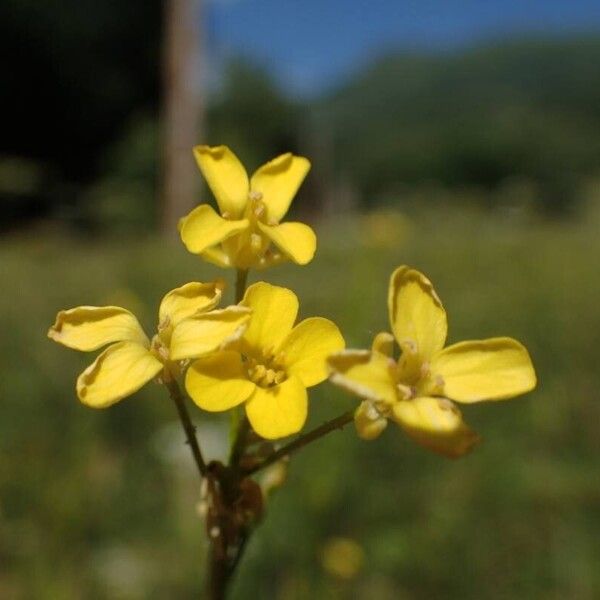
(270, 366)
(342, 557)
(248, 233)
(416, 390)
(188, 327)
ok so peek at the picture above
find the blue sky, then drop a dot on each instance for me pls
(310, 45)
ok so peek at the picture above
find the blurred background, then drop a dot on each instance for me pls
(462, 138)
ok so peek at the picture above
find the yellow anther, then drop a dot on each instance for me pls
(264, 375)
(406, 392)
(258, 372)
(255, 243)
(254, 195)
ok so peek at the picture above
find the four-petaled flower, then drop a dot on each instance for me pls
(270, 366)
(416, 390)
(187, 328)
(248, 234)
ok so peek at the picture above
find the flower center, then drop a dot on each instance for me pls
(158, 348)
(266, 373)
(414, 378)
(256, 209)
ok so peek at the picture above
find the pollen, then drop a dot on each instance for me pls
(265, 375)
(406, 392)
(255, 243)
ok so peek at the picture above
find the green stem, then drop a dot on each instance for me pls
(303, 440)
(188, 426)
(241, 281)
(239, 444)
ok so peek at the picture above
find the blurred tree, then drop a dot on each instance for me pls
(182, 109)
(529, 108)
(77, 70)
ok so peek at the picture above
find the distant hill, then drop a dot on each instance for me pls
(529, 108)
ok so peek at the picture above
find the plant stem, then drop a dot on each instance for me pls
(240, 284)
(239, 444)
(188, 426)
(303, 440)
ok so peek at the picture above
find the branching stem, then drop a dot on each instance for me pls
(303, 440)
(188, 426)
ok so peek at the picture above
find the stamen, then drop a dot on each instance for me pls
(264, 375)
(406, 391)
(254, 195)
(438, 384)
(255, 243)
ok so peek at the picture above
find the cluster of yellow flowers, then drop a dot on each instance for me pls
(252, 353)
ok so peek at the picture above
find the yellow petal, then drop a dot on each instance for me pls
(204, 228)
(118, 372)
(188, 300)
(493, 369)
(383, 343)
(226, 177)
(436, 424)
(217, 256)
(91, 327)
(366, 374)
(306, 348)
(278, 181)
(218, 382)
(274, 311)
(278, 411)
(296, 240)
(368, 421)
(417, 316)
(208, 332)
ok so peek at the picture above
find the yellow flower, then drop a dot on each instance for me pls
(271, 367)
(415, 391)
(187, 328)
(248, 234)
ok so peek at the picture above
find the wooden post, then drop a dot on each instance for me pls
(182, 111)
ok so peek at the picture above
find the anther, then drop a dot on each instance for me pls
(255, 243)
(405, 391)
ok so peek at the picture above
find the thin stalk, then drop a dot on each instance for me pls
(188, 426)
(239, 444)
(303, 440)
(241, 281)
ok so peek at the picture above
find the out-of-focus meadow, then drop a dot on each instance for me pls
(480, 167)
(101, 504)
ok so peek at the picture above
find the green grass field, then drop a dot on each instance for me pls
(103, 504)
